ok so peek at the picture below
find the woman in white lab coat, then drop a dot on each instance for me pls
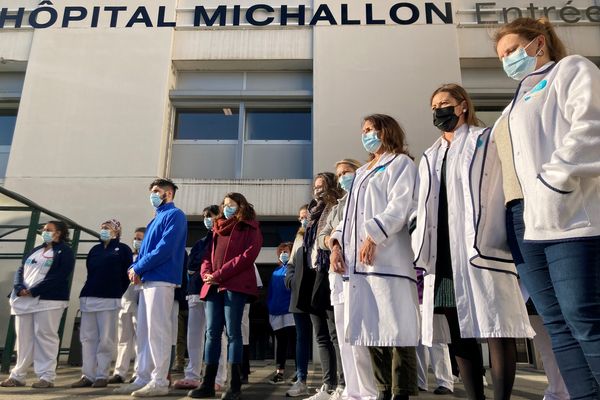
(371, 245)
(461, 244)
(551, 163)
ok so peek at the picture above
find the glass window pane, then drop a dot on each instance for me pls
(7, 127)
(207, 124)
(278, 124)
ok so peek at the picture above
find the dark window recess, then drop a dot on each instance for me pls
(273, 124)
(8, 119)
(207, 124)
(277, 232)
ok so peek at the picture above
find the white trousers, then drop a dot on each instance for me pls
(356, 364)
(195, 340)
(126, 346)
(37, 343)
(98, 335)
(154, 333)
(556, 389)
(439, 356)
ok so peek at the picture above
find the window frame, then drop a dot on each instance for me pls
(241, 105)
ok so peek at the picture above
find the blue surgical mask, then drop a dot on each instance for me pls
(155, 200)
(208, 223)
(229, 212)
(346, 181)
(284, 258)
(519, 64)
(47, 236)
(304, 223)
(137, 244)
(105, 235)
(371, 142)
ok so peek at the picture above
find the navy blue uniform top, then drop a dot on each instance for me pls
(107, 270)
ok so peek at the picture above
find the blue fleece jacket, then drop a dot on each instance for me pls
(107, 270)
(278, 299)
(163, 248)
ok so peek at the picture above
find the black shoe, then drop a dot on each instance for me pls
(116, 379)
(422, 390)
(442, 390)
(277, 379)
(234, 390)
(206, 390)
(385, 395)
(202, 392)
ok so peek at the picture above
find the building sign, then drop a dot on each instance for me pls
(46, 15)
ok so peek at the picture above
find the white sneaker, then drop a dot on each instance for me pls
(485, 384)
(151, 390)
(337, 394)
(322, 394)
(128, 389)
(299, 388)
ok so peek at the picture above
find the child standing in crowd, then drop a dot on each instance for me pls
(126, 348)
(282, 321)
(100, 301)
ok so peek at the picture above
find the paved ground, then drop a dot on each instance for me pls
(529, 384)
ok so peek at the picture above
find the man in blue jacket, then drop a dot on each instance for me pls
(158, 269)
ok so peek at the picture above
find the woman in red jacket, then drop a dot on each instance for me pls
(229, 282)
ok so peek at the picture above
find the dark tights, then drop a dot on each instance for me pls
(503, 354)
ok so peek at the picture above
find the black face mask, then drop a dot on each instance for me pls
(444, 119)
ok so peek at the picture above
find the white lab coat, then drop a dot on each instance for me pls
(554, 123)
(382, 306)
(488, 299)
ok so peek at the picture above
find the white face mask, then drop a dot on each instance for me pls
(137, 244)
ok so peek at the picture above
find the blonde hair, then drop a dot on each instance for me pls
(529, 29)
(459, 94)
(349, 161)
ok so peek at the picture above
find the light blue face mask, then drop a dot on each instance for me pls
(304, 223)
(519, 64)
(137, 244)
(155, 200)
(105, 235)
(208, 223)
(229, 212)
(284, 258)
(371, 142)
(346, 181)
(47, 236)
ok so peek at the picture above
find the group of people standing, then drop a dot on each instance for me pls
(491, 218)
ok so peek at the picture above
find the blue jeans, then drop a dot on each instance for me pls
(303, 339)
(563, 280)
(224, 308)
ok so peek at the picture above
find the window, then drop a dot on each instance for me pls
(274, 124)
(242, 125)
(207, 124)
(8, 119)
(245, 141)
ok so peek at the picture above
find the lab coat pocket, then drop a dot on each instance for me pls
(556, 210)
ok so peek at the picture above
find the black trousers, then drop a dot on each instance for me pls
(329, 349)
(285, 339)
